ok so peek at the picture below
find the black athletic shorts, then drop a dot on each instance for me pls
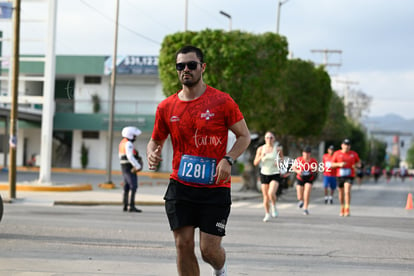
(205, 208)
(211, 219)
(265, 179)
(341, 181)
(302, 182)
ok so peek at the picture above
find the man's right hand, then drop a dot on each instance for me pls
(154, 158)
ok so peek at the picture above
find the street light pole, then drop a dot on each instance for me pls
(278, 14)
(186, 16)
(112, 105)
(228, 16)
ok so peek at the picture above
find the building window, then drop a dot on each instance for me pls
(92, 80)
(90, 134)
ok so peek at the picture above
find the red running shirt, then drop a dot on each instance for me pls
(198, 127)
(350, 158)
(306, 166)
(327, 163)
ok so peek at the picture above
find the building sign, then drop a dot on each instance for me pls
(6, 10)
(133, 65)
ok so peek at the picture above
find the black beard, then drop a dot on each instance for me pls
(190, 83)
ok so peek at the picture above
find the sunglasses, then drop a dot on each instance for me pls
(192, 65)
(269, 137)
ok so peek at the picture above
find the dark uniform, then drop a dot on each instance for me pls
(131, 163)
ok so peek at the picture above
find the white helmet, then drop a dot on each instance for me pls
(129, 132)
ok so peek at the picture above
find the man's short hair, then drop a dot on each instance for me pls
(191, 49)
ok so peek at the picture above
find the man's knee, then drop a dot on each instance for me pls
(210, 248)
(183, 244)
(208, 252)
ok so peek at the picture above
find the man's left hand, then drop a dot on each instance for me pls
(223, 171)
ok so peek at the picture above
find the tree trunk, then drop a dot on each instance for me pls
(250, 172)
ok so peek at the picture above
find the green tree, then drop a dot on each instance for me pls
(84, 157)
(358, 140)
(394, 161)
(336, 126)
(304, 99)
(303, 102)
(376, 152)
(410, 156)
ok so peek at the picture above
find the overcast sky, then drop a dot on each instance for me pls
(376, 37)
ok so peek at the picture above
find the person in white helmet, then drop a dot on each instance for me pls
(131, 163)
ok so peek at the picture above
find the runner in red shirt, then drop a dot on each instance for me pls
(306, 169)
(345, 160)
(197, 119)
(329, 175)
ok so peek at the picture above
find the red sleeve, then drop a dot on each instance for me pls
(335, 157)
(233, 112)
(161, 129)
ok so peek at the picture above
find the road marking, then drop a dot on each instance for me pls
(253, 205)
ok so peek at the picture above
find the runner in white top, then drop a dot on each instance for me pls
(267, 156)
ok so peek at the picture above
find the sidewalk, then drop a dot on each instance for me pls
(67, 188)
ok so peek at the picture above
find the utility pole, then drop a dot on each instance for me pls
(112, 106)
(14, 90)
(347, 100)
(325, 53)
(279, 6)
(186, 16)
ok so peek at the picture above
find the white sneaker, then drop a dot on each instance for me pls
(222, 272)
(274, 212)
(266, 217)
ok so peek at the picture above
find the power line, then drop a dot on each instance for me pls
(158, 23)
(120, 25)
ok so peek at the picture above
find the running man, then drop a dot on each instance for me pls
(306, 168)
(329, 175)
(197, 118)
(345, 160)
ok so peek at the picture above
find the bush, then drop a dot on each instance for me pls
(84, 156)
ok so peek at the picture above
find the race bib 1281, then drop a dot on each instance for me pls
(197, 169)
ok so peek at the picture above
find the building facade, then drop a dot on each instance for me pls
(82, 103)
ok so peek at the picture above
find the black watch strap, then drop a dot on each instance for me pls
(229, 159)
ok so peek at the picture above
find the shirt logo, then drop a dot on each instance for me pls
(207, 115)
(174, 119)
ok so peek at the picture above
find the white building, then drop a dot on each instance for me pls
(82, 104)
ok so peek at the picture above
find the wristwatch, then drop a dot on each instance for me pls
(229, 159)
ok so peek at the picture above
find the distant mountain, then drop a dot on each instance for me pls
(389, 122)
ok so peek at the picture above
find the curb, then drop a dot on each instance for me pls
(51, 188)
(94, 203)
(140, 203)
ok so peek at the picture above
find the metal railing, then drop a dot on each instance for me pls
(87, 106)
(121, 106)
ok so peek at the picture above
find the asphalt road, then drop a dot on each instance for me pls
(378, 238)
